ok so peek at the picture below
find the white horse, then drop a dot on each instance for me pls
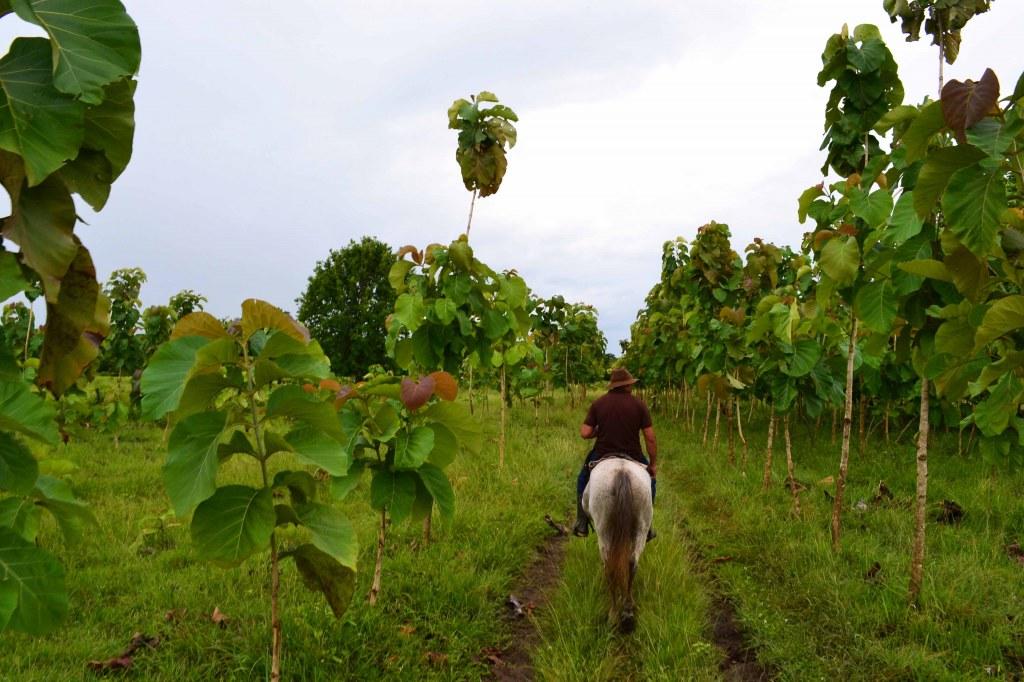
(618, 501)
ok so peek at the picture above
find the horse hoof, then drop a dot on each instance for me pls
(627, 623)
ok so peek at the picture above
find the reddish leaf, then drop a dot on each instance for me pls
(329, 385)
(964, 104)
(344, 394)
(436, 659)
(445, 386)
(415, 394)
(417, 255)
(124, 660)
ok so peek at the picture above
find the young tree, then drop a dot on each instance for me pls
(123, 350)
(346, 303)
(186, 301)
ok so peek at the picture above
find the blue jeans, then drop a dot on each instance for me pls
(584, 477)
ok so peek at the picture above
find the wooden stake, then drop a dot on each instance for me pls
(707, 422)
(378, 566)
(739, 428)
(718, 418)
(504, 418)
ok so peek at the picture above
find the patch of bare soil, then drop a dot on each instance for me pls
(739, 663)
(531, 591)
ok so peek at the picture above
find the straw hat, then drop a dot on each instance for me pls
(621, 377)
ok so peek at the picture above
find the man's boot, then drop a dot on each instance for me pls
(582, 527)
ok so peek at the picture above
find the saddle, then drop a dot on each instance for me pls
(614, 455)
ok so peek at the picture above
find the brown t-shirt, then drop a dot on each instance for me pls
(618, 417)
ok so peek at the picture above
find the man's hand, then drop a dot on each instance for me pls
(652, 469)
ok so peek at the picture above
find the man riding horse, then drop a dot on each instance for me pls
(616, 420)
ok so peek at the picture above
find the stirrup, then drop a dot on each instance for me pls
(581, 530)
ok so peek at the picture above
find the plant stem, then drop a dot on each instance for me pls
(844, 458)
(504, 417)
(472, 203)
(375, 587)
(739, 428)
(28, 332)
(917, 553)
(707, 421)
(768, 452)
(791, 469)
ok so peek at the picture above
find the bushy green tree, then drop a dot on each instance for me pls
(186, 301)
(346, 302)
(123, 350)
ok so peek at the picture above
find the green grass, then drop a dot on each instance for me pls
(811, 614)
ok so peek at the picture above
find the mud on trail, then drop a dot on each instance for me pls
(530, 593)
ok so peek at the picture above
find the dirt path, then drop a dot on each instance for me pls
(530, 593)
(740, 662)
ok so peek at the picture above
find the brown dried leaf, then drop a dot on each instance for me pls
(219, 618)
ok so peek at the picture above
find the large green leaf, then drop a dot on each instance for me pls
(413, 448)
(95, 42)
(446, 446)
(165, 377)
(1003, 316)
(457, 419)
(341, 486)
(874, 208)
(410, 311)
(32, 594)
(25, 412)
(904, 223)
(840, 260)
(190, 473)
(972, 205)
(39, 123)
(233, 524)
(322, 573)
(955, 337)
(72, 515)
(315, 447)
(921, 130)
(292, 402)
(12, 281)
(993, 414)
(876, 305)
(41, 221)
(18, 468)
(21, 514)
(938, 168)
(927, 267)
(806, 353)
(332, 532)
(394, 491)
(439, 487)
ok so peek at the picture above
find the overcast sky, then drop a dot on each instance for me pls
(269, 133)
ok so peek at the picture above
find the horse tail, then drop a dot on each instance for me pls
(622, 531)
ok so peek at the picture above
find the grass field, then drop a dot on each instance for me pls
(808, 613)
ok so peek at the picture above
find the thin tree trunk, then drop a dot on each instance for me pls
(427, 525)
(844, 458)
(768, 451)
(275, 612)
(861, 439)
(917, 553)
(378, 566)
(739, 429)
(750, 415)
(472, 203)
(791, 469)
(718, 418)
(885, 424)
(471, 388)
(834, 413)
(707, 422)
(504, 418)
(28, 333)
(728, 424)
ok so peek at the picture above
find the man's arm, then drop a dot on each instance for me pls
(652, 450)
(587, 431)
